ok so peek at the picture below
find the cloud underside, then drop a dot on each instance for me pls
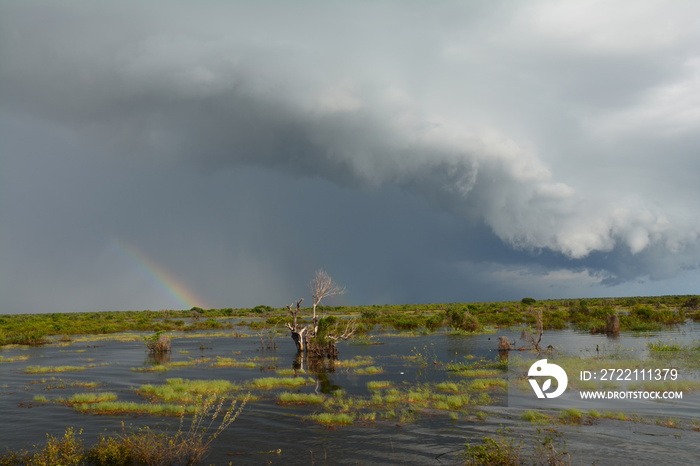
(576, 156)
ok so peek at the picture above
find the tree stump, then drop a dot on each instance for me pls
(504, 344)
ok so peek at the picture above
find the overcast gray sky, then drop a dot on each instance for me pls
(166, 155)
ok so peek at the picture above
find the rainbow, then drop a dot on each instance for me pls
(160, 277)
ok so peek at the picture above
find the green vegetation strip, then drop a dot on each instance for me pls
(124, 407)
(634, 314)
(268, 383)
(187, 391)
(52, 369)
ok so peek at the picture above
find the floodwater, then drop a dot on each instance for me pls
(267, 433)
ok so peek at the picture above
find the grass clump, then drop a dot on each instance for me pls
(355, 362)
(664, 346)
(448, 387)
(616, 415)
(79, 398)
(52, 369)
(534, 417)
(488, 384)
(333, 419)
(300, 398)
(186, 391)
(571, 416)
(378, 384)
(154, 368)
(13, 358)
(369, 370)
(267, 383)
(502, 451)
(128, 407)
(451, 402)
(230, 362)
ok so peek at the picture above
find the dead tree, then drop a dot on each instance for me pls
(534, 339)
(297, 333)
(322, 286)
(319, 340)
(267, 338)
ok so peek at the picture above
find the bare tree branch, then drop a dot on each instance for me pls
(323, 286)
(347, 332)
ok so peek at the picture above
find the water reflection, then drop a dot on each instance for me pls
(321, 368)
(157, 358)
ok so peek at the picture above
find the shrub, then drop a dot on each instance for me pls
(434, 322)
(501, 451)
(68, 450)
(158, 343)
(462, 319)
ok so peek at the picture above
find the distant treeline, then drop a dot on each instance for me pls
(635, 314)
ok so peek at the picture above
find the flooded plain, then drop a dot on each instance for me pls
(408, 398)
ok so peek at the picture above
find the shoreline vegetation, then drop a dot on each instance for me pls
(634, 313)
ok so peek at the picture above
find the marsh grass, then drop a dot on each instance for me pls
(479, 372)
(13, 358)
(355, 362)
(230, 362)
(52, 369)
(369, 370)
(450, 402)
(670, 422)
(615, 415)
(120, 337)
(130, 407)
(535, 417)
(480, 368)
(333, 419)
(187, 391)
(571, 416)
(368, 416)
(190, 363)
(80, 398)
(153, 368)
(300, 398)
(666, 346)
(268, 383)
(378, 384)
(449, 387)
(491, 384)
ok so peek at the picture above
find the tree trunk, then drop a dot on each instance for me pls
(299, 340)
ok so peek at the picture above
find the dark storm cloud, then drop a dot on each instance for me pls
(542, 132)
